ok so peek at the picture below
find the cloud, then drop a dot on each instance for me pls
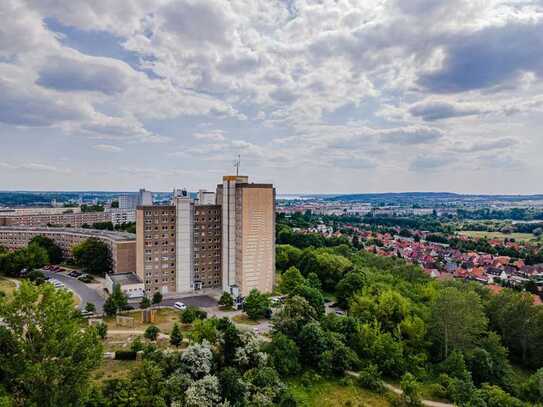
(438, 110)
(214, 135)
(431, 162)
(499, 144)
(487, 58)
(108, 148)
(411, 135)
(34, 166)
(85, 74)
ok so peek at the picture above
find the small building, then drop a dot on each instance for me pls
(131, 285)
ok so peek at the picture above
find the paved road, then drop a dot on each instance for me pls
(84, 292)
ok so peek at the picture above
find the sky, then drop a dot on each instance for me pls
(316, 96)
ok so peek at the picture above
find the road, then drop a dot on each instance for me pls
(84, 292)
(202, 301)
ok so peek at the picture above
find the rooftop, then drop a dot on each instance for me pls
(125, 278)
(108, 234)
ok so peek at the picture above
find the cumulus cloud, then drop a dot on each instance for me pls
(107, 148)
(438, 110)
(411, 135)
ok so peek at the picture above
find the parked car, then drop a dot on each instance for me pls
(180, 306)
(56, 283)
(75, 274)
(339, 312)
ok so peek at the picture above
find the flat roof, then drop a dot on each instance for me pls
(108, 234)
(125, 278)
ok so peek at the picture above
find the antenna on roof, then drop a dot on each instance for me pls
(237, 165)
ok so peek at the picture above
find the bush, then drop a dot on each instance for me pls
(370, 378)
(151, 332)
(125, 355)
(137, 345)
(157, 297)
(101, 330)
(192, 313)
(226, 300)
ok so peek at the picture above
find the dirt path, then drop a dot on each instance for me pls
(399, 392)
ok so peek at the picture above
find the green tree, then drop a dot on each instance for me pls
(204, 329)
(293, 316)
(312, 343)
(90, 307)
(313, 296)
(347, 287)
(101, 330)
(457, 320)
(233, 388)
(93, 256)
(117, 301)
(145, 303)
(176, 336)
(410, 389)
(151, 333)
(226, 300)
(54, 251)
(256, 304)
(192, 313)
(46, 356)
(313, 280)
(284, 355)
(290, 280)
(157, 297)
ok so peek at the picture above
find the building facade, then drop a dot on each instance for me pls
(121, 245)
(248, 235)
(195, 244)
(69, 219)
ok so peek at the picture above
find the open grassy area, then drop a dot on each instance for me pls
(243, 319)
(333, 393)
(7, 287)
(165, 319)
(498, 235)
(114, 369)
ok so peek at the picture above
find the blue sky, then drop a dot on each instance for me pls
(323, 96)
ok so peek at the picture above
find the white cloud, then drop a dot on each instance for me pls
(108, 148)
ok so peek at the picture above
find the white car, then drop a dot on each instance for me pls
(180, 306)
(56, 283)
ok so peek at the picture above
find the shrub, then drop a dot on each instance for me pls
(192, 313)
(151, 332)
(125, 355)
(370, 378)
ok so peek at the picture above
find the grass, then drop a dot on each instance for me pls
(165, 319)
(7, 287)
(498, 235)
(243, 319)
(333, 393)
(114, 369)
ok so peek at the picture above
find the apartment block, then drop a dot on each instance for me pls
(248, 235)
(121, 245)
(218, 240)
(156, 247)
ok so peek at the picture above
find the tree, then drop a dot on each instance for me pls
(176, 336)
(157, 297)
(151, 333)
(54, 251)
(192, 313)
(145, 303)
(46, 355)
(101, 330)
(284, 355)
(204, 329)
(90, 307)
(226, 300)
(457, 320)
(117, 301)
(312, 343)
(256, 304)
(203, 393)
(313, 280)
(293, 316)
(93, 256)
(291, 279)
(347, 287)
(197, 360)
(233, 388)
(313, 296)
(411, 392)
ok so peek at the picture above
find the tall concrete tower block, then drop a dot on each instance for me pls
(248, 238)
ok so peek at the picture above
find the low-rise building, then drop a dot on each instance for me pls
(131, 285)
(122, 245)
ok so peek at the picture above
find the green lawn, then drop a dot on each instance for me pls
(498, 235)
(114, 369)
(7, 287)
(333, 393)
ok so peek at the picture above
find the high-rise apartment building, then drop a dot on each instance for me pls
(187, 246)
(129, 202)
(145, 198)
(248, 235)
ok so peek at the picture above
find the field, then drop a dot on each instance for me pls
(498, 235)
(7, 287)
(114, 369)
(166, 318)
(332, 393)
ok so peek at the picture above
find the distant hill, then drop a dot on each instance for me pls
(428, 197)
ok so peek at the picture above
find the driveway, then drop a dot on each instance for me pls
(84, 292)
